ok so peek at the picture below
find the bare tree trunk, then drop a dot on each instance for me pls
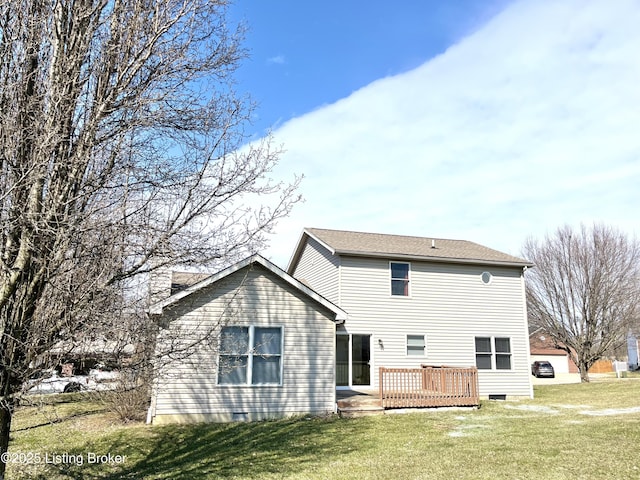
(121, 143)
(5, 429)
(583, 367)
(583, 290)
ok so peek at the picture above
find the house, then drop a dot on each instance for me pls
(416, 301)
(633, 345)
(248, 343)
(543, 348)
(254, 341)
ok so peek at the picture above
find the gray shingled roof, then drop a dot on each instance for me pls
(182, 280)
(400, 246)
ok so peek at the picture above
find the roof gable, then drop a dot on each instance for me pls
(340, 242)
(158, 307)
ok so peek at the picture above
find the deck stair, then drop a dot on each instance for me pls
(358, 404)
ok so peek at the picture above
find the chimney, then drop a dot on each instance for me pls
(433, 243)
(159, 284)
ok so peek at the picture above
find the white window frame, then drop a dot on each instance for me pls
(350, 336)
(424, 345)
(493, 353)
(391, 279)
(489, 281)
(250, 354)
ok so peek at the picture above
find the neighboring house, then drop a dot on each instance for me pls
(543, 348)
(633, 347)
(417, 301)
(251, 342)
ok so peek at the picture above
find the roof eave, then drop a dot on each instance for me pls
(297, 253)
(425, 258)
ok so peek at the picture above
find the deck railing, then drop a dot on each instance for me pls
(429, 386)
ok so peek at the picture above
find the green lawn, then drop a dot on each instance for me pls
(584, 431)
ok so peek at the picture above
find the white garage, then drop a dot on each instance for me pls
(560, 362)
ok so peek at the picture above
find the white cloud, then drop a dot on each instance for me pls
(527, 124)
(278, 60)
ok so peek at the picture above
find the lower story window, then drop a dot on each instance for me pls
(493, 353)
(415, 345)
(483, 353)
(250, 356)
(503, 353)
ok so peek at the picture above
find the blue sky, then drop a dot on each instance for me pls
(477, 120)
(304, 55)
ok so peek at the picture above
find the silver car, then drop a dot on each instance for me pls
(542, 369)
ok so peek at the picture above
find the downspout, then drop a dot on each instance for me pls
(335, 338)
(526, 328)
(151, 411)
(339, 281)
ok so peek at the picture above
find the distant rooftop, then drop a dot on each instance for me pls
(342, 242)
(182, 280)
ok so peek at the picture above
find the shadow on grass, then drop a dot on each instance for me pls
(61, 419)
(247, 450)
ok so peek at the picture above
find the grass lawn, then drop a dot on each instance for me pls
(583, 431)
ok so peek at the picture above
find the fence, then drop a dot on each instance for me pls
(602, 366)
(428, 386)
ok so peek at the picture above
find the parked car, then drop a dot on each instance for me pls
(48, 381)
(542, 369)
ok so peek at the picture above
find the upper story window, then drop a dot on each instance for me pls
(250, 356)
(400, 278)
(493, 353)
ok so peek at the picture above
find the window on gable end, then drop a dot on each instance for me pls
(483, 353)
(233, 362)
(250, 356)
(503, 353)
(267, 356)
(493, 353)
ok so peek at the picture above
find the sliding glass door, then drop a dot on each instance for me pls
(353, 360)
(342, 360)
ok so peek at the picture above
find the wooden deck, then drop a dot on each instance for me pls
(429, 386)
(353, 403)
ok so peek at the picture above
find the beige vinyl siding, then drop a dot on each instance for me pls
(319, 269)
(450, 305)
(187, 390)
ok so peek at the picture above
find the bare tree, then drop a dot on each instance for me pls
(584, 290)
(119, 154)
